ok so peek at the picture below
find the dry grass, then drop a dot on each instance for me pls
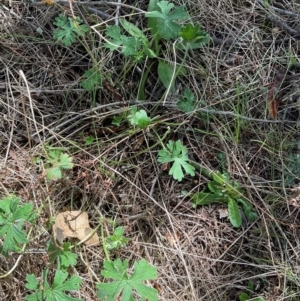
(199, 255)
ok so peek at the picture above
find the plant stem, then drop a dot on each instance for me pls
(141, 91)
(104, 243)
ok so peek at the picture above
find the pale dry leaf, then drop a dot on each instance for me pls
(74, 224)
(223, 212)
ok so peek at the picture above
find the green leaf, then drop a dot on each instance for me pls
(166, 75)
(250, 214)
(43, 291)
(139, 118)
(221, 178)
(134, 31)
(117, 120)
(63, 254)
(32, 282)
(189, 32)
(57, 161)
(216, 188)
(92, 79)
(12, 219)
(250, 286)
(149, 52)
(116, 240)
(187, 102)
(165, 25)
(152, 22)
(234, 213)
(177, 153)
(205, 198)
(89, 140)
(115, 33)
(54, 155)
(125, 284)
(69, 29)
(129, 45)
(53, 173)
(192, 37)
(244, 297)
(65, 162)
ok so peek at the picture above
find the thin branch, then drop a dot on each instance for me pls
(279, 10)
(283, 25)
(274, 18)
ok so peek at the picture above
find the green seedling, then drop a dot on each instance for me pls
(56, 162)
(139, 118)
(187, 102)
(192, 37)
(12, 219)
(177, 153)
(125, 284)
(89, 140)
(117, 240)
(44, 291)
(91, 79)
(222, 189)
(117, 120)
(69, 29)
(63, 254)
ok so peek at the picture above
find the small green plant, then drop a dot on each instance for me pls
(163, 23)
(192, 37)
(124, 284)
(63, 254)
(117, 240)
(56, 162)
(44, 291)
(187, 102)
(177, 153)
(117, 120)
(12, 219)
(139, 118)
(89, 140)
(222, 189)
(69, 29)
(91, 79)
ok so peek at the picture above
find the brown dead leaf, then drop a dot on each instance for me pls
(74, 224)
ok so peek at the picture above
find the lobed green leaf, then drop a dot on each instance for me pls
(124, 283)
